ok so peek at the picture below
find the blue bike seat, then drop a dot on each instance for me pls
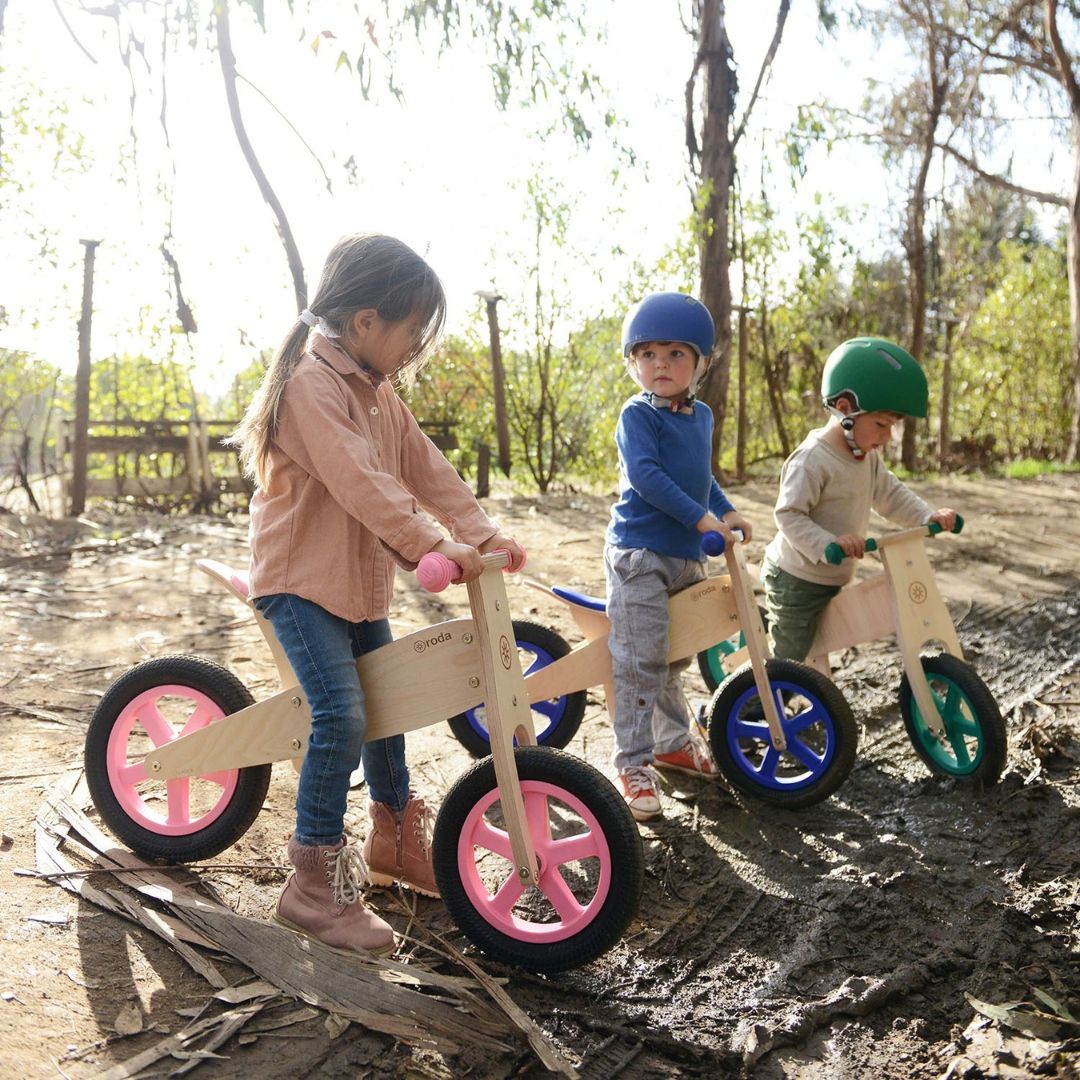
(594, 603)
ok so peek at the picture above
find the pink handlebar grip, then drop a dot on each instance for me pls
(435, 571)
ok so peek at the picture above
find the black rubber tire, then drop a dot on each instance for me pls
(707, 659)
(230, 695)
(800, 679)
(620, 833)
(530, 635)
(989, 760)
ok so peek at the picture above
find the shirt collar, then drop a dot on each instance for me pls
(333, 354)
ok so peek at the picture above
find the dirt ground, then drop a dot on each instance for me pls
(907, 927)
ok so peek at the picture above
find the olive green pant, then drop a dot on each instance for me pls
(794, 607)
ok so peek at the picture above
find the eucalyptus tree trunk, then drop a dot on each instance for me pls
(1067, 77)
(715, 159)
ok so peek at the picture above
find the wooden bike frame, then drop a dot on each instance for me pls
(698, 617)
(411, 683)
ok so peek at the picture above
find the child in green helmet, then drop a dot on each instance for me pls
(832, 481)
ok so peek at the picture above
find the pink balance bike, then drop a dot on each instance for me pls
(949, 713)
(780, 731)
(535, 853)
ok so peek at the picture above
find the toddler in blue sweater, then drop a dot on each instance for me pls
(667, 499)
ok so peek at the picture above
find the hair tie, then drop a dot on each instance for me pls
(308, 318)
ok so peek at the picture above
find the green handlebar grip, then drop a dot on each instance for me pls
(834, 553)
(935, 528)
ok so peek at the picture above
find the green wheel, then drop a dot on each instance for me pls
(974, 745)
(711, 660)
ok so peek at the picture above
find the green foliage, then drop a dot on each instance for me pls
(1011, 359)
(1027, 469)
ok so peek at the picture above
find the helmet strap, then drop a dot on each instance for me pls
(847, 426)
(674, 404)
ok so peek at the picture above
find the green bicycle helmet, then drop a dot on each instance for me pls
(878, 375)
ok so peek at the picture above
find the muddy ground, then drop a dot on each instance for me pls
(907, 927)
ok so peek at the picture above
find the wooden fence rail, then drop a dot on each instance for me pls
(194, 443)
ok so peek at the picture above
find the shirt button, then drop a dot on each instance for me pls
(374, 410)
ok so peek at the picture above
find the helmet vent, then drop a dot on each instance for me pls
(895, 364)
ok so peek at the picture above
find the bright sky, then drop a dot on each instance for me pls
(445, 171)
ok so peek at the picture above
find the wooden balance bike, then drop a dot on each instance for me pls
(779, 730)
(535, 853)
(950, 715)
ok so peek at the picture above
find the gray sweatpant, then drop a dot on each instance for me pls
(651, 712)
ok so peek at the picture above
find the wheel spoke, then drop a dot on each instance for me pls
(571, 849)
(177, 798)
(959, 747)
(156, 726)
(954, 716)
(507, 895)
(554, 887)
(132, 774)
(805, 754)
(536, 816)
(497, 841)
(802, 720)
(200, 717)
(751, 729)
(769, 763)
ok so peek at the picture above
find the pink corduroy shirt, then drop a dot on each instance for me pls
(349, 470)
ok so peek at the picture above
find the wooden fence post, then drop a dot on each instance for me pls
(82, 385)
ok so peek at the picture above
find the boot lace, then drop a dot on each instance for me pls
(422, 826)
(347, 874)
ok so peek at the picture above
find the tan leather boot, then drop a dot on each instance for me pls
(321, 899)
(400, 850)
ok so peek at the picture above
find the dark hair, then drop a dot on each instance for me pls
(363, 271)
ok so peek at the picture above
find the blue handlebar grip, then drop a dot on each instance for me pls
(712, 543)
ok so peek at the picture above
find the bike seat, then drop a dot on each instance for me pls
(594, 603)
(234, 580)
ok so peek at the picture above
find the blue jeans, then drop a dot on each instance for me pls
(322, 650)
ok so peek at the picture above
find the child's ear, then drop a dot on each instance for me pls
(361, 323)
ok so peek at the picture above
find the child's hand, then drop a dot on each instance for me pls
(711, 523)
(498, 542)
(944, 517)
(734, 520)
(854, 547)
(466, 556)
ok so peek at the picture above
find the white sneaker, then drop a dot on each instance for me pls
(638, 786)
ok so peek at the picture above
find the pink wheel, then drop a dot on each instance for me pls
(151, 705)
(589, 854)
(156, 717)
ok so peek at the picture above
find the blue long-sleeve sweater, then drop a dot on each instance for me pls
(665, 481)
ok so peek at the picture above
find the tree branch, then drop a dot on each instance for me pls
(1000, 181)
(228, 70)
(67, 27)
(292, 128)
(781, 18)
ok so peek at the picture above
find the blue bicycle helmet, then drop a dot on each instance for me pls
(668, 316)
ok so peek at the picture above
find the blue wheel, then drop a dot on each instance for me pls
(556, 720)
(818, 725)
